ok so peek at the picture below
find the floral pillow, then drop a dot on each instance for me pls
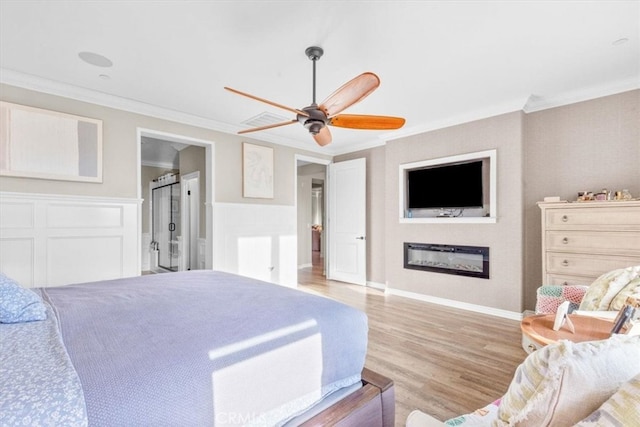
(18, 304)
(604, 289)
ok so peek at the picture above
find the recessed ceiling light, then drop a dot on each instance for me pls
(95, 59)
(104, 76)
(620, 41)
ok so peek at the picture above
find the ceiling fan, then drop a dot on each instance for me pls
(315, 118)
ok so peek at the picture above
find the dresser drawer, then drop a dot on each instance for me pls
(586, 265)
(612, 242)
(560, 280)
(608, 217)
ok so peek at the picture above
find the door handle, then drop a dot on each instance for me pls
(360, 238)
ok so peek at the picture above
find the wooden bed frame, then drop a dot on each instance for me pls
(372, 405)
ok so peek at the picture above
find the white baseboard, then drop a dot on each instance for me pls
(301, 266)
(457, 304)
(376, 285)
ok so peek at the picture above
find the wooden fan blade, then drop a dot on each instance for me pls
(351, 92)
(323, 137)
(275, 104)
(356, 121)
(275, 125)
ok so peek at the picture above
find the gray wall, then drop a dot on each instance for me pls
(584, 146)
(504, 238)
(555, 152)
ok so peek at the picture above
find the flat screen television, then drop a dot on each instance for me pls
(450, 186)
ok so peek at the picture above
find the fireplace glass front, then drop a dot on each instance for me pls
(449, 259)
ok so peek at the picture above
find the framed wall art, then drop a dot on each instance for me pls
(257, 171)
(37, 143)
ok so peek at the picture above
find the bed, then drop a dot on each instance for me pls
(190, 348)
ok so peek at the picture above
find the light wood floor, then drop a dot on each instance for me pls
(443, 361)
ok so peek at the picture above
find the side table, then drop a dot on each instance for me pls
(537, 330)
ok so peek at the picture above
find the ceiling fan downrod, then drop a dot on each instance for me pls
(316, 119)
(314, 53)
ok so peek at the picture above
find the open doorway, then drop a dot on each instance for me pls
(311, 212)
(175, 182)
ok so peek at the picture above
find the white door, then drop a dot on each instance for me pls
(347, 222)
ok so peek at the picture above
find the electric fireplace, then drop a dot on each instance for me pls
(470, 261)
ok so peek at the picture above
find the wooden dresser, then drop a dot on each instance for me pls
(582, 240)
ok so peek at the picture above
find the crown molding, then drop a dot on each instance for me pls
(539, 103)
(531, 104)
(494, 110)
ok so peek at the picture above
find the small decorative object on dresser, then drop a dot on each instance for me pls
(581, 241)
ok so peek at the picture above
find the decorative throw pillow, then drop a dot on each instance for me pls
(18, 304)
(622, 409)
(549, 297)
(563, 383)
(604, 289)
(632, 289)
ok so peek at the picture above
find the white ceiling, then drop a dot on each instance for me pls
(440, 62)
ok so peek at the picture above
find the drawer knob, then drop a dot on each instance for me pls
(565, 240)
(565, 263)
(565, 283)
(565, 218)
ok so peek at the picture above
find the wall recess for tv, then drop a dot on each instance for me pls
(458, 188)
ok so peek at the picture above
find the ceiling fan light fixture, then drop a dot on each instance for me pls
(314, 126)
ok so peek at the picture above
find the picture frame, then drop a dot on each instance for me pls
(562, 318)
(44, 144)
(257, 171)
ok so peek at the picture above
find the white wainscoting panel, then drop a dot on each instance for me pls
(53, 240)
(17, 214)
(17, 259)
(72, 215)
(257, 241)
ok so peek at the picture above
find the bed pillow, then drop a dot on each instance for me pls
(622, 409)
(563, 383)
(18, 304)
(605, 288)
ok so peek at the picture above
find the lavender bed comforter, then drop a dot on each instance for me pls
(205, 348)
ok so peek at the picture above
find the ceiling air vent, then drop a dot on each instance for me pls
(264, 119)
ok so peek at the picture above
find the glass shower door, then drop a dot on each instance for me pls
(166, 224)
